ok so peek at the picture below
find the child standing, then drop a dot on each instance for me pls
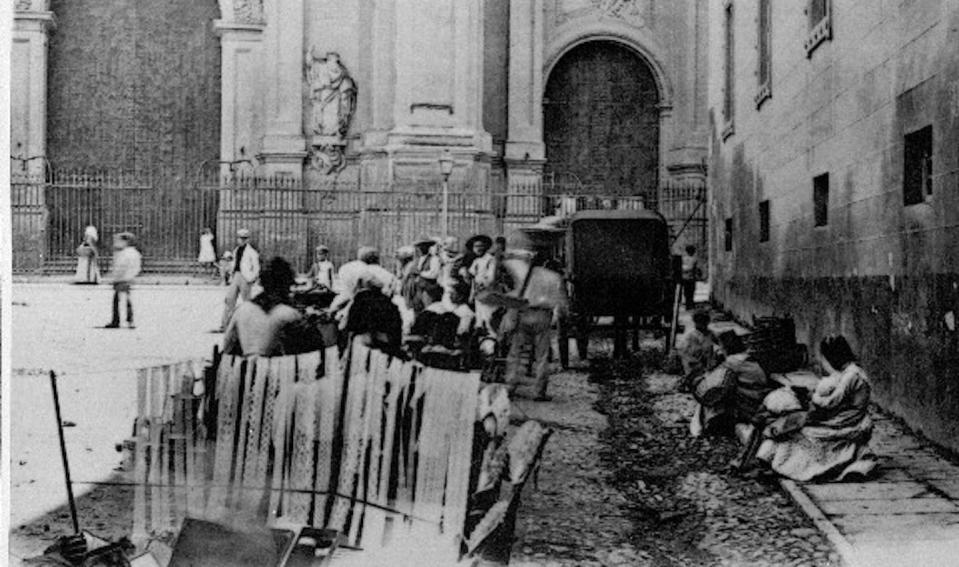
(226, 267)
(322, 270)
(126, 266)
(207, 255)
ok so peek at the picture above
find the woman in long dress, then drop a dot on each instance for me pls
(88, 268)
(834, 440)
(207, 256)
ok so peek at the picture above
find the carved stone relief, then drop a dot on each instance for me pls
(248, 11)
(332, 94)
(632, 12)
(31, 5)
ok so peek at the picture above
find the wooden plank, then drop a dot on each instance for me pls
(155, 427)
(399, 380)
(352, 431)
(302, 467)
(140, 450)
(327, 405)
(460, 456)
(373, 519)
(282, 434)
(253, 430)
(307, 365)
(228, 390)
(166, 491)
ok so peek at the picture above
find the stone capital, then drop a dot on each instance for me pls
(238, 31)
(34, 21)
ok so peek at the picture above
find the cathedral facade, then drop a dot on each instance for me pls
(594, 97)
(606, 93)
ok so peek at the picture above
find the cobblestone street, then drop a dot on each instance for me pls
(622, 483)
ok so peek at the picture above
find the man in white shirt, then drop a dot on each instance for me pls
(127, 263)
(246, 270)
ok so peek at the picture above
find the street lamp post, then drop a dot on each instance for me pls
(446, 168)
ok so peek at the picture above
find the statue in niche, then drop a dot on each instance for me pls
(333, 96)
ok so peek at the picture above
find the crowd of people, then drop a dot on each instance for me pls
(448, 306)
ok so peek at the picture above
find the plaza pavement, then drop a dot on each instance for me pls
(55, 328)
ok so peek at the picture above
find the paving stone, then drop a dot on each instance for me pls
(866, 491)
(889, 506)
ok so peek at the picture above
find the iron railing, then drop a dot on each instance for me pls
(289, 217)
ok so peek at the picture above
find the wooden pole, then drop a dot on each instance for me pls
(63, 455)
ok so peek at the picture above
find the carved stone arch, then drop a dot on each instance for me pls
(638, 40)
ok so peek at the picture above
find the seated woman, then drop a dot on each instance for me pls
(733, 392)
(268, 325)
(697, 349)
(373, 318)
(834, 440)
(442, 332)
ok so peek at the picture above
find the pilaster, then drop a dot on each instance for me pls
(241, 115)
(284, 145)
(33, 24)
(525, 116)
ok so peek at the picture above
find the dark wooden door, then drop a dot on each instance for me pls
(601, 121)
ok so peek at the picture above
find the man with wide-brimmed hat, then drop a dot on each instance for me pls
(428, 271)
(246, 270)
(542, 292)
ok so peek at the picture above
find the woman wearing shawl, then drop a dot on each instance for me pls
(834, 440)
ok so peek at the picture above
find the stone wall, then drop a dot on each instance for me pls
(881, 272)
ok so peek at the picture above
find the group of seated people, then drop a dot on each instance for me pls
(426, 307)
(803, 435)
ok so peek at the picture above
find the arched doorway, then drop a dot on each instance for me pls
(601, 121)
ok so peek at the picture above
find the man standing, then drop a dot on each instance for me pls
(246, 270)
(691, 273)
(126, 266)
(546, 301)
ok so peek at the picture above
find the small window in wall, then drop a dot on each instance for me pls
(728, 236)
(820, 197)
(819, 16)
(764, 221)
(765, 60)
(917, 167)
(729, 83)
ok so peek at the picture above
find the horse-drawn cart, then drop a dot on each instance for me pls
(618, 267)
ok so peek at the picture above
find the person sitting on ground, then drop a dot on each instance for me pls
(268, 325)
(441, 334)
(731, 393)
(373, 318)
(697, 349)
(834, 440)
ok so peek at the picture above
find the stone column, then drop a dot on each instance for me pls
(284, 145)
(33, 23)
(240, 109)
(525, 151)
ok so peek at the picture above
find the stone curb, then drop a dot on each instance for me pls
(845, 550)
